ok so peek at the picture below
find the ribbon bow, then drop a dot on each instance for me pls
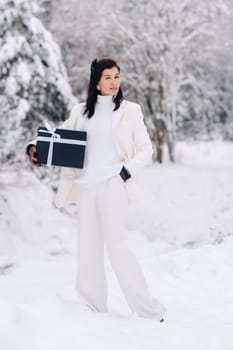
(51, 138)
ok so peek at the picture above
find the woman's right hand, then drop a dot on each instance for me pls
(32, 156)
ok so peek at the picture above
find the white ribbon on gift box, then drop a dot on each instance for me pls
(56, 138)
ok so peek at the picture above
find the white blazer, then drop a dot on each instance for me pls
(131, 140)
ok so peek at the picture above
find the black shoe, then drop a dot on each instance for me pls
(162, 320)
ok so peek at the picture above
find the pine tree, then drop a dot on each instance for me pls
(33, 79)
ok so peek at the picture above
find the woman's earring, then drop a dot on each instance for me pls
(98, 88)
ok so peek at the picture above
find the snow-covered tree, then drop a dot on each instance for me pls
(176, 57)
(33, 79)
(203, 87)
(167, 69)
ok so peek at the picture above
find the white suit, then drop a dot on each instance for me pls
(131, 140)
(102, 216)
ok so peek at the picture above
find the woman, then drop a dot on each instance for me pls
(118, 145)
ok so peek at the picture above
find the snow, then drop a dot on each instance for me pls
(24, 75)
(11, 86)
(12, 47)
(23, 109)
(181, 231)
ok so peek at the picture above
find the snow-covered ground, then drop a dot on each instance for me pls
(182, 232)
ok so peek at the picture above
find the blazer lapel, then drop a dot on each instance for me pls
(117, 116)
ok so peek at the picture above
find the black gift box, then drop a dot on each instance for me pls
(61, 147)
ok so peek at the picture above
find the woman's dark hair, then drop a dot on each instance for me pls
(97, 67)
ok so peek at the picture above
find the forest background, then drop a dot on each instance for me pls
(176, 60)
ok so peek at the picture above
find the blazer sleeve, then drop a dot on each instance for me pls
(143, 149)
(70, 123)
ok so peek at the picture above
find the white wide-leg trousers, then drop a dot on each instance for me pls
(102, 218)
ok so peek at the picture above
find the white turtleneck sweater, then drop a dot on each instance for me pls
(101, 159)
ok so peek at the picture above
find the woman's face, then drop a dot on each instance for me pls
(109, 83)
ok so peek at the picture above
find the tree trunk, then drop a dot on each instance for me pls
(163, 131)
